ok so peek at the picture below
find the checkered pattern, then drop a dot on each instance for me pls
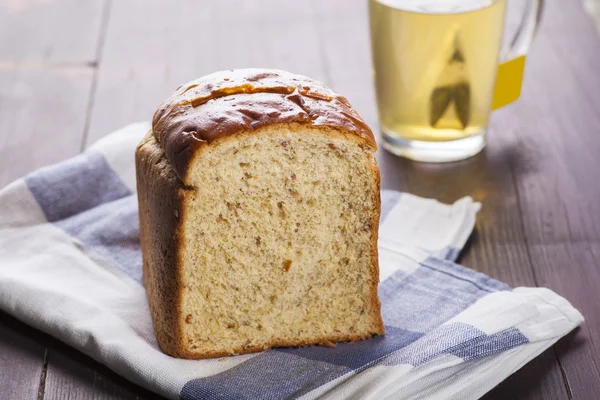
(70, 265)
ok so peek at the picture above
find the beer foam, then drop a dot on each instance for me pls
(437, 6)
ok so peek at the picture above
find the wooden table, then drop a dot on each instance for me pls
(72, 71)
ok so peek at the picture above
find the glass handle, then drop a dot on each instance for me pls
(512, 68)
(526, 31)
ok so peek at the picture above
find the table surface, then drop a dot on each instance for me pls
(71, 71)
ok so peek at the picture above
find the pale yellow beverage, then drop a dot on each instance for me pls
(435, 68)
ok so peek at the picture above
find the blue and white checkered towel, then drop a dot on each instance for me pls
(70, 265)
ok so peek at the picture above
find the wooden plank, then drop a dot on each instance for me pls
(21, 359)
(59, 31)
(44, 95)
(536, 380)
(558, 133)
(344, 48)
(42, 117)
(47, 54)
(23, 352)
(72, 375)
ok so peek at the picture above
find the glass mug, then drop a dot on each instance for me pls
(438, 73)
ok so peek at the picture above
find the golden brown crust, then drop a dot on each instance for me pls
(160, 206)
(376, 304)
(228, 102)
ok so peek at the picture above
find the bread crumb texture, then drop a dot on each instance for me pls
(277, 247)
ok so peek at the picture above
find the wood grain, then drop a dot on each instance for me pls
(558, 189)
(21, 360)
(47, 52)
(344, 48)
(56, 32)
(72, 375)
(152, 47)
(42, 117)
(69, 373)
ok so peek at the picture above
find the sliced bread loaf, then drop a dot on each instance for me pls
(259, 211)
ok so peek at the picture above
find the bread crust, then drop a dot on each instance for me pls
(329, 341)
(160, 199)
(228, 102)
(376, 304)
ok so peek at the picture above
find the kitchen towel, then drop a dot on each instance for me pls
(71, 266)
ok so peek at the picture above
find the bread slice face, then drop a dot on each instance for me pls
(275, 242)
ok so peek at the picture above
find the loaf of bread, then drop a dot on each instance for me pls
(259, 210)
